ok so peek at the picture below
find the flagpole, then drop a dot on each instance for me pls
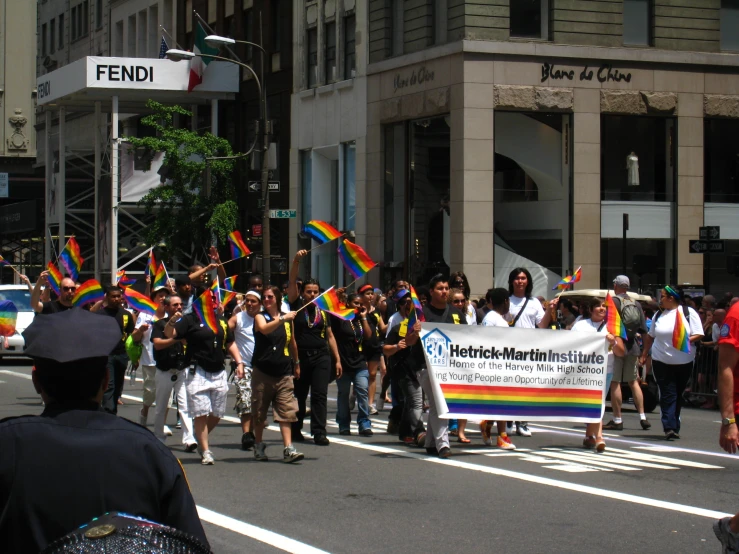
(323, 244)
(174, 40)
(212, 32)
(304, 306)
(232, 260)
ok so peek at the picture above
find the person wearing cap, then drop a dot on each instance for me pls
(241, 325)
(67, 288)
(373, 347)
(75, 462)
(626, 366)
(316, 347)
(142, 335)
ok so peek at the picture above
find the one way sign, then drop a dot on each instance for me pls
(712, 232)
(706, 247)
(256, 186)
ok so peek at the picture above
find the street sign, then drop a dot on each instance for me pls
(256, 186)
(712, 232)
(4, 185)
(256, 230)
(706, 247)
(283, 214)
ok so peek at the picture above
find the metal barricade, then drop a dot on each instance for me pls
(702, 389)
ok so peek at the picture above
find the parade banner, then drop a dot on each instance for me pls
(513, 374)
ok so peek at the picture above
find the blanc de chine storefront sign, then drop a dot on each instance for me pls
(606, 72)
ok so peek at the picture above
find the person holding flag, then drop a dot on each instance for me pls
(67, 289)
(671, 339)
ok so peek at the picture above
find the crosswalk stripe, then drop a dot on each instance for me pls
(616, 452)
(587, 461)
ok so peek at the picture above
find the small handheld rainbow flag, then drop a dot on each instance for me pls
(89, 291)
(3, 261)
(123, 280)
(238, 246)
(321, 231)
(230, 282)
(569, 280)
(55, 278)
(140, 302)
(8, 317)
(161, 278)
(418, 307)
(71, 258)
(329, 302)
(228, 296)
(354, 258)
(216, 292)
(614, 325)
(680, 335)
(151, 265)
(203, 306)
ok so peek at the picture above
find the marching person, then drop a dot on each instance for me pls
(272, 374)
(373, 346)
(118, 359)
(171, 363)
(75, 461)
(316, 347)
(671, 366)
(206, 384)
(67, 288)
(242, 326)
(458, 299)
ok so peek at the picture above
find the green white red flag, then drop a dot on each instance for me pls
(200, 62)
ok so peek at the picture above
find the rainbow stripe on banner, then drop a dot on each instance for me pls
(329, 302)
(71, 258)
(238, 246)
(354, 258)
(55, 278)
(520, 403)
(140, 302)
(614, 325)
(8, 317)
(89, 291)
(203, 306)
(680, 335)
(321, 231)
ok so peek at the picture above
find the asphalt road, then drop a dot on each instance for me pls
(377, 495)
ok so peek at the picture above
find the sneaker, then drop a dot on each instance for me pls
(392, 427)
(321, 440)
(247, 441)
(290, 455)
(207, 459)
(373, 410)
(421, 439)
(366, 432)
(504, 442)
(142, 418)
(192, 447)
(522, 429)
(509, 427)
(345, 432)
(729, 540)
(431, 451)
(613, 426)
(408, 441)
(645, 424)
(589, 442)
(167, 431)
(485, 430)
(671, 435)
(298, 437)
(445, 452)
(259, 453)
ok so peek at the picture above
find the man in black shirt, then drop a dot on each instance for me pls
(75, 462)
(67, 290)
(118, 359)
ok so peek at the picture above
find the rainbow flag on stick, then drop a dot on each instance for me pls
(321, 231)
(203, 306)
(614, 325)
(8, 317)
(3, 261)
(329, 302)
(55, 278)
(216, 292)
(568, 281)
(123, 280)
(71, 258)
(161, 278)
(417, 305)
(89, 291)
(229, 283)
(680, 335)
(151, 266)
(140, 302)
(238, 246)
(228, 295)
(355, 259)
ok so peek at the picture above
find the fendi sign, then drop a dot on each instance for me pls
(606, 72)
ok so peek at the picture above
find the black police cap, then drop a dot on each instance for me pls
(71, 335)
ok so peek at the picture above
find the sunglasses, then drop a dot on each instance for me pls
(457, 301)
(268, 297)
(69, 288)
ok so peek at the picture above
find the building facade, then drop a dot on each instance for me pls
(552, 134)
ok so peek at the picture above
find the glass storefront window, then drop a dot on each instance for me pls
(306, 182)
(721, 271)
(721, 157)
(649, 263)
(349, 192)
(638, 158)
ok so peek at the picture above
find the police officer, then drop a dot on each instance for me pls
(74, 450)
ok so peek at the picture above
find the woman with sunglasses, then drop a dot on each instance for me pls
(458, 300)
(458, 280)
(373, 347)
(672, 339)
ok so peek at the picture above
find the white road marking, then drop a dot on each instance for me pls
(618, 453)
(15, 373)
(572, 468)
(263, 535)
(541, 427)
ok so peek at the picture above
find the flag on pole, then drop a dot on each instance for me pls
(417, 306)
(614, 324)
(216, 291)
(123, 280)
(329, 302)
(238, 246)
(151, 266)
(200, 62)
(3, 261)
(680, 335)
(140, 302)
(161, 278)
(163, 49)
(71, 258)
(321, 231)
(354, 258)
(229, 283)
(203, 306)
(569, 280)
(55, 278)
(88, 292)
(8, 318)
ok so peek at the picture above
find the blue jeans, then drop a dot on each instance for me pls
(361, 388)
(117, 365)
(672, 380)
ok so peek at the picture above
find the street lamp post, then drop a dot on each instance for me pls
(216, 40)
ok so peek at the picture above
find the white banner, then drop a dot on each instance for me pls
(516, 374)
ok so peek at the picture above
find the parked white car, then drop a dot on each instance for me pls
(21, 297)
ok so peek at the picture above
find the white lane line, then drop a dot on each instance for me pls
(15, 374)
(572, 468)
(541, 427)
(268, 537)
(590, 462)
(629, 454)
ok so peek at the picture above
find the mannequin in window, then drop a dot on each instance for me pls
(632, 166)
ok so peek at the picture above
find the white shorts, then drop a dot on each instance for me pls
(206, 393)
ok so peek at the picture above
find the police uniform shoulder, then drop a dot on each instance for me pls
(18, 419)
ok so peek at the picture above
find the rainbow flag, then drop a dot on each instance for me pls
(123, 280)
(417, 306)
(216, 292)
(140, 302)
(614, 325)
(89, 291)
(321, 231)
(3, 261)
(230, 282)
(228, 295)
(329, 302)
(355, 259)
(55, 278)
(238, 246)
(203, 306)
(151, 266)
(160, 277)
(413, 317)
(569, 280)
(680, 335)
(518, 403)
(8, 317)
(71, 258)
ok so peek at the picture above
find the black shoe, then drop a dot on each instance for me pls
(192, 447)
(298, 437)
(321, 440)
(392, 427)
(431, 451)
(345, 432)
(645, 424)
(612, 426)
(366, 432)
(671, 435)
(247, 441)
(676, 435)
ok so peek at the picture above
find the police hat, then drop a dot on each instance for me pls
(71, 335)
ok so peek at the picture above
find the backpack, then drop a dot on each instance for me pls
(631, 317)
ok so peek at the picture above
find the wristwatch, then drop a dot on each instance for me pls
(727, 421)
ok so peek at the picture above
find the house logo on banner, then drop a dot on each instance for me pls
(436, 346)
